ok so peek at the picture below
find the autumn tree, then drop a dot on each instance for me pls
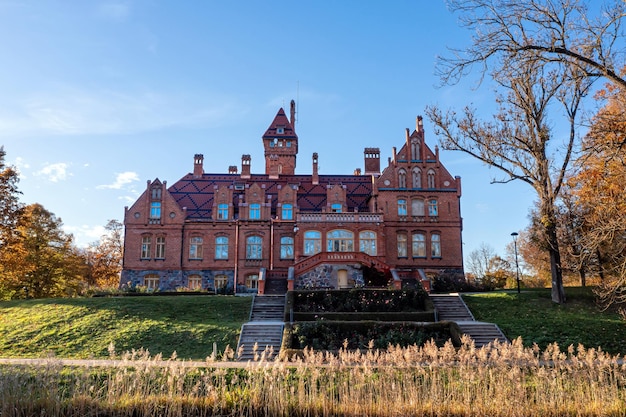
(9, 199)
(105, 256)
(543, 56)
(44, 261)
(599, 187)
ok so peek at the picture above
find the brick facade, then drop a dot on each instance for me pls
(234, 231)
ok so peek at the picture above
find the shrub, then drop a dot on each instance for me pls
(360, 300)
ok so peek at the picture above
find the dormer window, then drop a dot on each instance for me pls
(155, 193)
(280, 130)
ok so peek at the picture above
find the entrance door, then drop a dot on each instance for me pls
(342, 278)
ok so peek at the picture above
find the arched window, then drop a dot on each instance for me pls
(146, 247)
(431, 178)
(195, 247)
(435, 245)
(286, 247)
(415, 149)
(287, 212)
(159, 252)
(433, 211)
(419, 245)
(367, 242)
(402, 249)
(151, 282)
(220, 282)
(252, 281)
(417, 207)
(417, 178)
(312, 242)
(254, 247)
(402, 179)
(401, 207)
(340, 241)
(221, 247)
(194, 282)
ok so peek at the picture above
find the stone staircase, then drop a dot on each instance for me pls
(264, 331)
(276, 286)
(450, 307)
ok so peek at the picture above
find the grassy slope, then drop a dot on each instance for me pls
(84, 327)
(533, 316)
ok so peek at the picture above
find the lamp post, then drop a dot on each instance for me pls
(515, 234)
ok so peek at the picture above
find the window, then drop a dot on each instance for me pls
(367, 242)
(221, 247)
(432, 208)
(417, 207)
(194, 282)
(252, 281)
(151, 282)
(280, 130)
(431, 179)
(195, 247)
(156, 193)
(220, 282)
(155, 210)
(415, 149)
(419, 245)
(286, 247)
(435, 245)
(146, 244)
(340, 241)
(287, 212)
(401, 207)
(160, 248)
(312, 242)
(417, 178)
(335, 208)
(402, 178)
(255, 211)
(222, 211)
(402, 252)
(254, 247)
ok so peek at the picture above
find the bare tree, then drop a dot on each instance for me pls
(552, 31)
(478, 261)
(543, 56)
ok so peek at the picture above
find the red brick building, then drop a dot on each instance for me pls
(280, 229)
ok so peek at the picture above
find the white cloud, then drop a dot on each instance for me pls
(70, 111)
(54, 172)
(121, 180)
(115, 11)
(85, 234)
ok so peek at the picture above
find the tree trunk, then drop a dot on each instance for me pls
(558, 292)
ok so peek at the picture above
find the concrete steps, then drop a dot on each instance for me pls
(276, 286)
(450, 307)
(257, 337)
(482, 333)
(268, 308)
(264, 331)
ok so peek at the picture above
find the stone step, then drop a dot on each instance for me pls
(451, 307)
(268, 308)
(482, 333)
(266, 337)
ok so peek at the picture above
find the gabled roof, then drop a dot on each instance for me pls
(280, 120)
(197, 193)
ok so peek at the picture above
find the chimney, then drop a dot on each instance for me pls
(393, 155)
(292, 106)
(419, 125)
(198, 169)
(372, 161)
(408, 144)
(245, 166)
(232, 169)
(357, 171)
(315, 177)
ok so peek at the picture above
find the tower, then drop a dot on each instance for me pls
(281, 145)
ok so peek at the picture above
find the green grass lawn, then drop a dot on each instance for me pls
(533, 316)
(84, 327)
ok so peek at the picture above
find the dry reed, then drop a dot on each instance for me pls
(497, 380)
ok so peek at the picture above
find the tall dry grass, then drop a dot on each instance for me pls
(498, 380)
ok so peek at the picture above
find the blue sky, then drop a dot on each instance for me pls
(97, 97)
